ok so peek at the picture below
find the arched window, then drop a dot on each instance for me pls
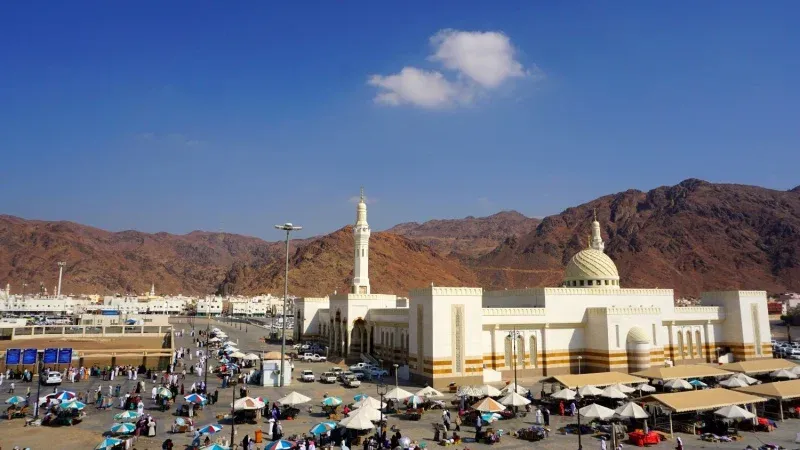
(681, 346)
(689, 343)
(508, 360)
(534, 353)
(521, 352)
(699, 343)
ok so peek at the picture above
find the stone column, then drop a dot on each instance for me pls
(671, 331)
(711, 346)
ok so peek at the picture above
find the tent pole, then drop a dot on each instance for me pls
(780, 405)
(671, 433)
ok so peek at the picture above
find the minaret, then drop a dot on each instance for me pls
(597, 241)
(361, 234)
(153, 290)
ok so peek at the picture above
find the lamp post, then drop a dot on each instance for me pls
(577, 404)
(514, 336)
(205, 363)
(233, 418)
(580, 363)
(288, 228)
(39, 387)
(382, 389)
(396, 384)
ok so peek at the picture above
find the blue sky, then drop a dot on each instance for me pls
(175, 116)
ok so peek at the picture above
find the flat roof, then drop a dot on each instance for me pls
(687, 371)
(758, 366)
(783, 390)
(701, 400)
(595, 379)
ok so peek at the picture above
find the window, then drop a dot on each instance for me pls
(590, 282)
(362, 252)
(581, 282)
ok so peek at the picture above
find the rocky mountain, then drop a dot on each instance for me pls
(692, 237)
(128, 261)
(105, 262)
(468, 237)
(695, 236)
(324, 265)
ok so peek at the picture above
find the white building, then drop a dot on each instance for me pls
(256, 306)
(589, 323)
(209, 306)
(18, 304)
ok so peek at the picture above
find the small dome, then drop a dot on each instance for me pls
(637, 335)
(591, 265)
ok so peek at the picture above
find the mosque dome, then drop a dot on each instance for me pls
(591, 267)
(637, 335)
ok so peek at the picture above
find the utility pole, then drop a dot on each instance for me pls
(288, 228)
(61, 265)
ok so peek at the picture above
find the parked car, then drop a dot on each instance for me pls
(312, 357)
(378, 372)
(336, 370)
(307, 375)
(360, 374)
(361, 365)
(327, 377)
(352, 383)
(347, 375)
(51, 379)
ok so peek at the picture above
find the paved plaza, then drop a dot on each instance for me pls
(89, 433)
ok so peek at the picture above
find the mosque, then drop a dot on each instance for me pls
(590, 323)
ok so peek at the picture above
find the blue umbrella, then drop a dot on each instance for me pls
(698, 383)
(65, 396)
(359, 397)
(210, 429)
(123, 428)
(331, 401)
(279, 445)
(108, 443)
(73, 405)
(323, 427)
(195, 398)
(15, 400)
(127, 416)
(215, 447)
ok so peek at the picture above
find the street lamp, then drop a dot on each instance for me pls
(233, 417)
(514, 335)
(396, 385)
(288, 228)
(577, 403)
(580, 363)
(382, 389)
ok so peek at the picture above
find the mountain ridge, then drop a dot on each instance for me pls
(691, 237)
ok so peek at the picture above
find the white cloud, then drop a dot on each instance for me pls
(485, 57)
(415, 86)
(480, 61)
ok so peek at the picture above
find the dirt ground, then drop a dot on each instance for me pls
(87, 343)
(49, 437)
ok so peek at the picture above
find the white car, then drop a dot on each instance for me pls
(51, 379)
(361, 365)
(307, 375)
(327, 377)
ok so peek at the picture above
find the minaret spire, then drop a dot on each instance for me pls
(597, 241)
(361, 234)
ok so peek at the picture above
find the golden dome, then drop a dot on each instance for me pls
(593, 267)
(637, 335)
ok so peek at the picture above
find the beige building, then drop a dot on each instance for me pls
(589, 323)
